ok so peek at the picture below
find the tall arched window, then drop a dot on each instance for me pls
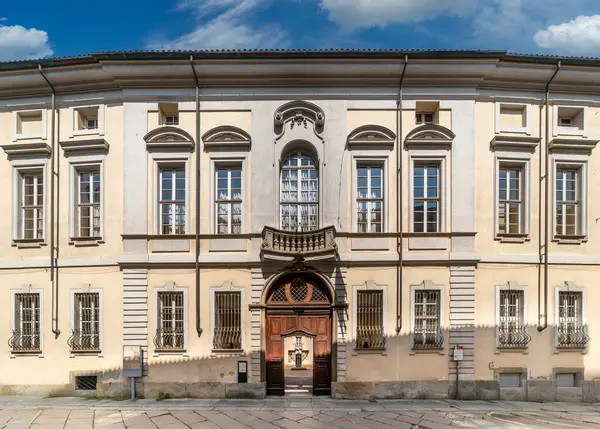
(299, 193)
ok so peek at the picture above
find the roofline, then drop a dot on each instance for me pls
(274, 54)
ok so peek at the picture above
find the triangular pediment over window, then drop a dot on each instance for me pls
(169, 137)
(430, 135)
(226, 136)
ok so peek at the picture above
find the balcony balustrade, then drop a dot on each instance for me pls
(572, 337)
(513, 337)
(286, 245)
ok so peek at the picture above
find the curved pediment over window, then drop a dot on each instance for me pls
(299, 115)
(371, 135)
(226, 136)
(169, 137)
(431, 135)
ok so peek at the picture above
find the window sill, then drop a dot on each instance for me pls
(524, 130)
(569, 239)
(570, 131)
(523, 349)
(29, 243)
(15, 353)
(167, 352)
(28, 137)
(232, 352)
(512, 238)
(91, 132)
(566, 349)
(381, 351)
(75, 353)
(85, 241)
(431, 350)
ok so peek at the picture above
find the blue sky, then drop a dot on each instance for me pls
(36, 28)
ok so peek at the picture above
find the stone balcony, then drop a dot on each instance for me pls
(281, 245)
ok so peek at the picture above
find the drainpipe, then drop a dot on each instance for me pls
(541, 326)
(197, 184)
(399, 200)
(53, 248)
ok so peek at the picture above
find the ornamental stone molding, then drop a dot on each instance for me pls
(430, 135)
(299, 115)
(226, 136)
(371, 136)
(169, 137)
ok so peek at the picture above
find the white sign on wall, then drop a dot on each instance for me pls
(457, 353)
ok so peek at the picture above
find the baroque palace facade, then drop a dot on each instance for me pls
(340, 223)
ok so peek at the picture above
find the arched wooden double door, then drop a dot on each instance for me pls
(298, 305)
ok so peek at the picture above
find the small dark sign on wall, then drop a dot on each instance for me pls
(242, 371)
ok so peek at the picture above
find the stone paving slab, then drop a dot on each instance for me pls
(289, 413)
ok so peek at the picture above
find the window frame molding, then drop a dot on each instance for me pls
(165, 160)
(510, 286)
(87, 288)
(43, 132)
(76, 164)
(578, 162)
(520, 130)
(569, 286)
(369, 285)
(427, 285)
(433, 156)
(27, 288)
(569, 131)
(522, 161)
(20, 166)
(228, 287)
(228, 160)
(170, 287)
(371, 158)
(73, 110)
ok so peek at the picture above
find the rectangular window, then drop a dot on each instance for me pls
(86, 322)
(171, 120)
(571, 330)
(86, 118)
(228, 321)
(172, 200)
(509, 379)
(427, 323)
(566, 379)
(170, 321)
(426, 198)
(510, 201)
(424, 118)
(32, 206)
(567, 202)
(512, 331)
(26, 331)
(369, 198)
(369, 320)
(228, 200)
(88, 203)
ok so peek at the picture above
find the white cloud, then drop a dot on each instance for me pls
(578, 36)
(225, 24)
(3, 18)
(353, 14)
(19, 43)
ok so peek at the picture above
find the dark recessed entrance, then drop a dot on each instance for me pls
(298, 307)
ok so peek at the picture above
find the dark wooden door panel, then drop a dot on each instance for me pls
(275, 378)
(322, 375)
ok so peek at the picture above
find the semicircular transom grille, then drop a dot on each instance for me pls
(318, 295)
(299, 289)
(278, 294)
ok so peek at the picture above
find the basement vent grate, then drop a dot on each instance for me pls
(86, 382)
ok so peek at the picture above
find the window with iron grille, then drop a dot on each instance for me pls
(299, 193)
(26, 330)
(172, 200)
(86, 322)
(426, 198)
(228, 200)
(31, 219)
(88, 203)
(567, 201)
(512, 331)
(571, 329)
(427, 319)
(369, 319)
(510, 200)
(227, 333)
(170, 321)
(86, 382)
(369, 198)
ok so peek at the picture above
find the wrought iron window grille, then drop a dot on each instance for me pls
(227, 333)
(170, 333)
(369, 326)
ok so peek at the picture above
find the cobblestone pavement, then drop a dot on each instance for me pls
(75, 413)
